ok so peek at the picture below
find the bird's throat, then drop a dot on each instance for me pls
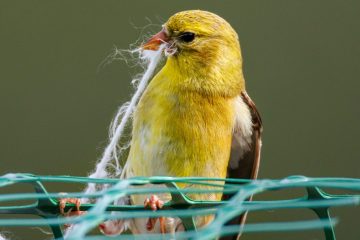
(212, 80)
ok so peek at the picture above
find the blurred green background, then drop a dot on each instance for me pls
(301, 63)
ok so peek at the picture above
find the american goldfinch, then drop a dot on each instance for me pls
(195, 117)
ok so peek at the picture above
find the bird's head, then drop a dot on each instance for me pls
(201, 45)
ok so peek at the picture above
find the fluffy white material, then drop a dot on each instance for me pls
(122, 117)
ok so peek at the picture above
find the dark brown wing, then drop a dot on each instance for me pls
(248, 160)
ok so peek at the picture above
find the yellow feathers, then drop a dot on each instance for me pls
(180, 133)
(195, 110)
(184, 121)
(211, 64)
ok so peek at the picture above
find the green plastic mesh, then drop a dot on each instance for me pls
(46, 204)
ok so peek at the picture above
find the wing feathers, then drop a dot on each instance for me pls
(245, 151)
(246, 143)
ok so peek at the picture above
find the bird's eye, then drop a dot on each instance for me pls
(187, 37)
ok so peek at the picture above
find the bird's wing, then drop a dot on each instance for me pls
(245, 150)
(246, 142)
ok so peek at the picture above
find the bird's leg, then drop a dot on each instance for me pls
(62, 204)
(155, 203)
(108, 228)
(64, 201)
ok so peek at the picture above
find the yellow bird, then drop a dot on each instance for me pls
(195, 117)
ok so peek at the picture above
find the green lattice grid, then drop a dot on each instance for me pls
(46, 205)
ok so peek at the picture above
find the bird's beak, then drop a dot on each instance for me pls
(155, 41)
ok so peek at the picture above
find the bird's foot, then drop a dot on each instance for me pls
(70, 213)
(155, 203)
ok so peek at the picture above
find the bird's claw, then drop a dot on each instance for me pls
(62, 205)
(64, 201)
(155, 203)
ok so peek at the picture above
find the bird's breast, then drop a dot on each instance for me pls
(181, 134)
